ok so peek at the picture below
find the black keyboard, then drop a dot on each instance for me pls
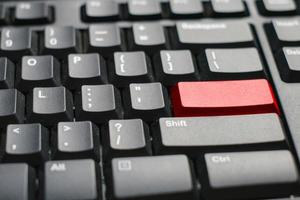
(149, 100)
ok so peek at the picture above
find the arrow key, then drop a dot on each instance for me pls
(74, 140)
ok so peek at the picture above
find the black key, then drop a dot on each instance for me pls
(12, 107)
(219, 133)
(249, 175)
(235, 63)
(18, 182)
(284, 32)
(197, 35)
(147, 101)
(144, 9)
(105, 38)
(98, 103)
(228, 7)
(159, 177)
(76, 140)
(289, 64)
(38, 71)
(130, 67)
(16, 42)
(60, 41)
(26, 143)
(186, 8)
(149, 37)
(50, 105)
(85, 69)
(32, 13)
(277, 7)
(7, 73)
(2, 14)
(101, 10)
(126, 138)
(174, 66)
(68, 180)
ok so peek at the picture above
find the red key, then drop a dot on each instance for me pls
(210, 98)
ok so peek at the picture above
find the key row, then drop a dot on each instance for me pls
(50, 105)
(108, 38)
(168, 67)
(73, 140)
(149, 101)
(230, 176)
(100, 10)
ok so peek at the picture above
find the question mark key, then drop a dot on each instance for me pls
(127, 137)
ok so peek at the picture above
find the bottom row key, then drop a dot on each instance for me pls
(250, 175)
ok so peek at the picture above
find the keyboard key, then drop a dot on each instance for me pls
(239, 132)
(149, 37)
(100, 10)
(98, 103)
(144, 9)
(288, 63)
(126, 138)
(105, 38)
(196, 34)
(38, 71)
(32, 13)
(169, 177)
(147, 101)
(75, 179)
(247, 175)
(60, 41)
(50, 105)
(18, 182)
(186, 8)
(130, 67)
(7, 73)
(85, 69)
(237, 63)
(12, 107)
(26, 143)
(173, 66)
(228, 7)
(16, 42)
(277, 7)
(76, 140)
(223, 98)
(2, 14)
(284, 32)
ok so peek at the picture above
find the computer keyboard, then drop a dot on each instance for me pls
(149, 99)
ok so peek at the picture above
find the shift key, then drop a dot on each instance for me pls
(191, 135)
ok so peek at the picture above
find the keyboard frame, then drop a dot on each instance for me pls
(289, 101)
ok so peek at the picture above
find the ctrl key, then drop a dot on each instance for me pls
(247, 175)
(155, 178)
(17, 182)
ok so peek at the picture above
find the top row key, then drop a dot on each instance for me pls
(107, 10)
